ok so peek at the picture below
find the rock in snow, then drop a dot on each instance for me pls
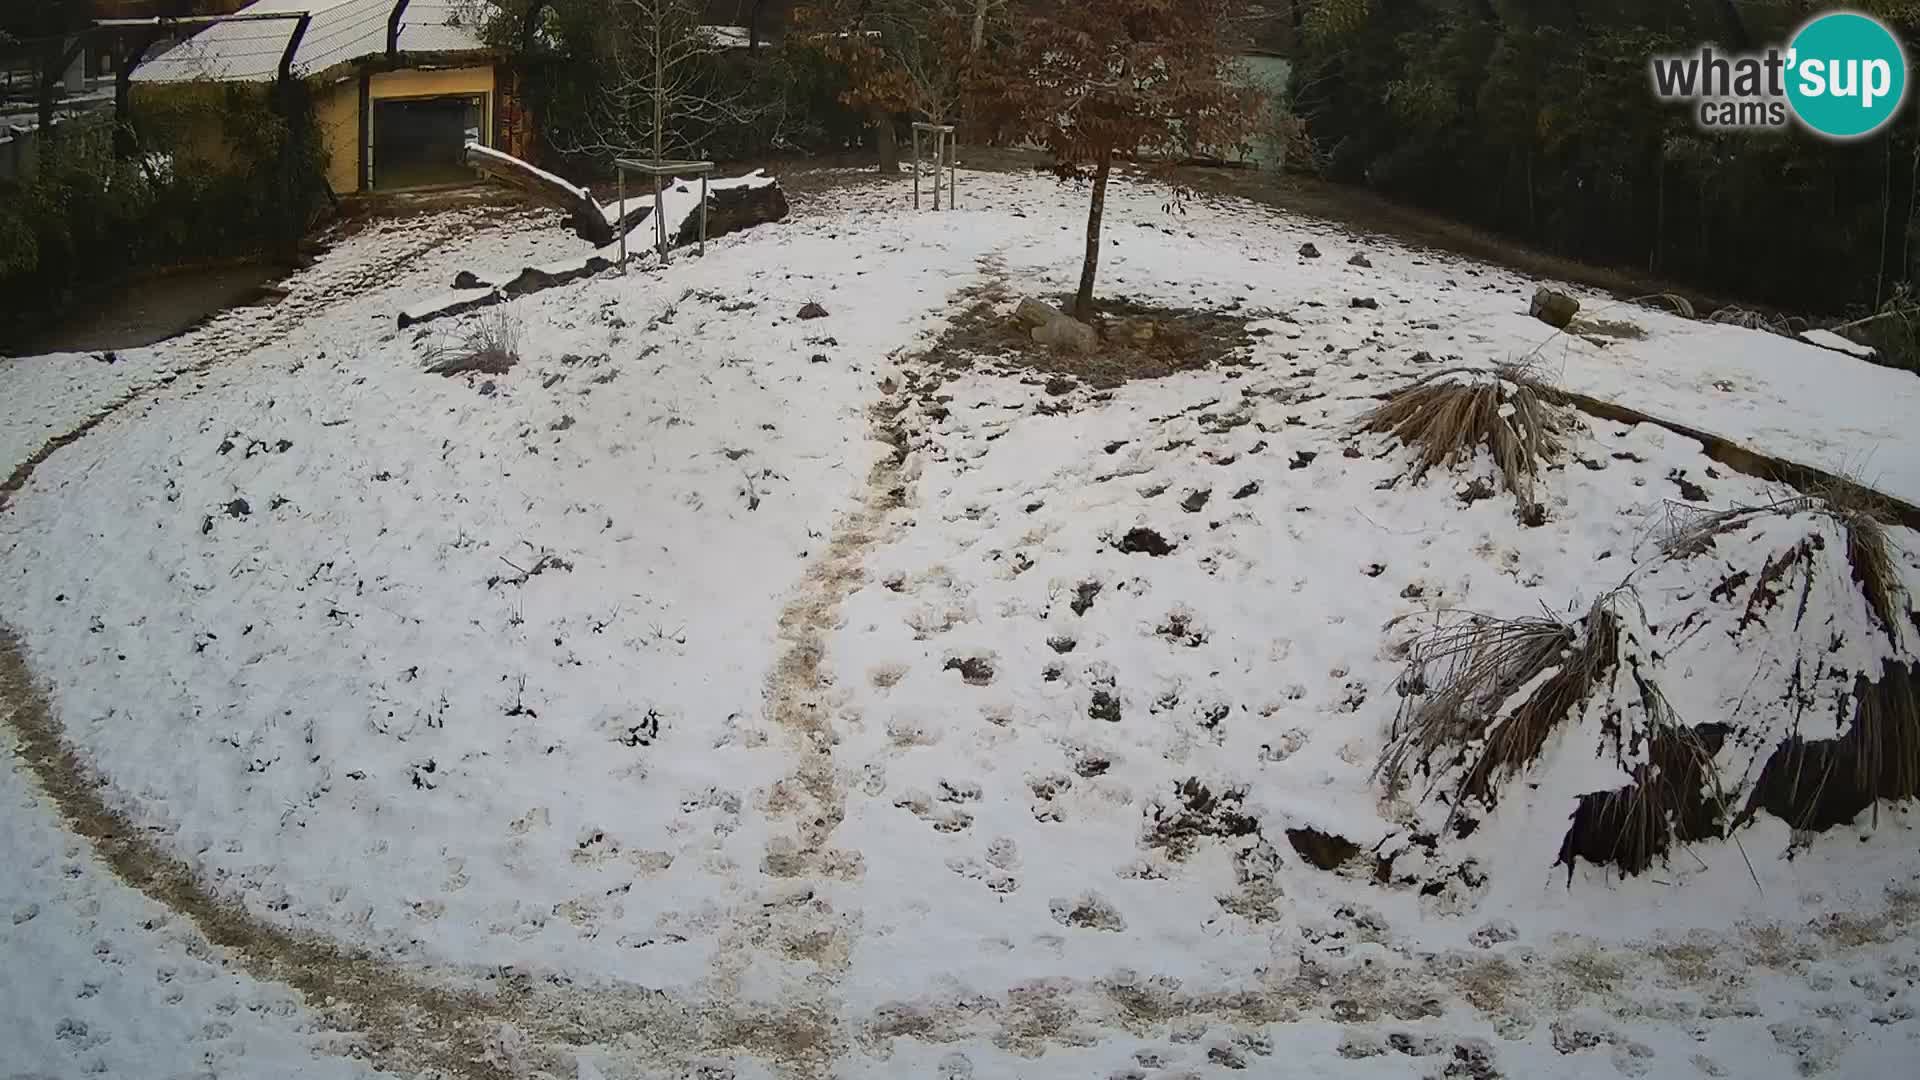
(1553, 307)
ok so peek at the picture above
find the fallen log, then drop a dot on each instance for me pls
(733, 205)
(529, 280)
(584, 215)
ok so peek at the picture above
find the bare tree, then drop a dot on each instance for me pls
(665, 87)
(1096, 80)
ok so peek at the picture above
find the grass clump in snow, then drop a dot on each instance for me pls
(1861, 515)
(1448, 417)
(1488, 694)
(1815, 784)
(491, 346)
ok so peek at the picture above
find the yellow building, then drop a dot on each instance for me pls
(399, 86)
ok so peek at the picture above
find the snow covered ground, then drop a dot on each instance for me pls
(772, 664)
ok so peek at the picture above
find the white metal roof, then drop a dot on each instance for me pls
(341, 30)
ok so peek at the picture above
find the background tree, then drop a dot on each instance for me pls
(1093, 81)
(663, 84)
(1534, 118)
(611, 77)
(913, 56)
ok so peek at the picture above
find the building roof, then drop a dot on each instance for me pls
(341, 31)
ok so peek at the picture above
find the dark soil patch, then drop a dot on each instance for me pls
(1083, 595)
(1689, 490)
(1324, 850)
(1105, 706)
(1476, 490)
(1061, 644)
(1196, 813)
(151, 308)
(1144, 541)
(1180, 630)
(1196, 501)
(975, 670)
(1137, 341)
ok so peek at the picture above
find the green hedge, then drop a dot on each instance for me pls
(86, 219)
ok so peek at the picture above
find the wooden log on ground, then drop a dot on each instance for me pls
(583, 213)
(729, 210)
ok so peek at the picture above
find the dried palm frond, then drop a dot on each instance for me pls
(1449, 415)
(1681, 306)
(1473, 715)
(1675, 796)
(1733, 315)
(1864, 515)
(1859, 512)
(1819, 783)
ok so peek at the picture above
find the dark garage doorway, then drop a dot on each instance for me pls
(418, 142)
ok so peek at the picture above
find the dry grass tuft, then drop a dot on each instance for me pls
(1815, 784)
(1861, 514)
(491, 346)
(1506, 685)
(1675, 796)
(1470, 709)
(1449, 415)
(1870, 552)
(1733, 315)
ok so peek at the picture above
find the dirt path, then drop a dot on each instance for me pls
(409, 1021)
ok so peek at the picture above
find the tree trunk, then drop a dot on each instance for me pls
(1083, 300)
(586, 217)
(887, 142)
(979, 26)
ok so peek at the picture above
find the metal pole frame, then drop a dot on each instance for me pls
(659, 222)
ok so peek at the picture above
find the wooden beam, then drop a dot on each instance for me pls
(293, 45)
(393, 28)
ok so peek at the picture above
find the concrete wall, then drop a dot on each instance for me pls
(337, 109)
(420, 83)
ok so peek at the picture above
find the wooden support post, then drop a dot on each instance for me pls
(622, 226)
(659, 222)
(703, 214)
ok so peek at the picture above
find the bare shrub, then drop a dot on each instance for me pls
(490, 346)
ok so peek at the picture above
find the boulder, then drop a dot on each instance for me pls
(1035, 313)
(1308, 251)
(812, 310)
(1360, 259)
(467, 279)
(1553, 307)
(1067, 333)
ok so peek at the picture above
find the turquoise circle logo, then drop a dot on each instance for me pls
(1846, 75)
